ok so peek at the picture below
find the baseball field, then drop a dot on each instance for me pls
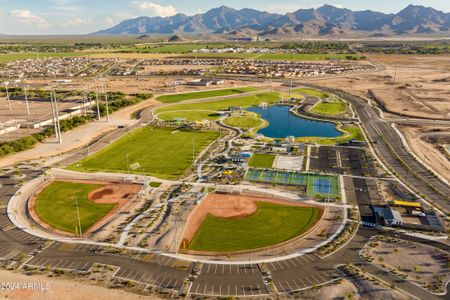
(56, 206)
(229, 223)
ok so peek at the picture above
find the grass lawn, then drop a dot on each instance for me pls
(350, 133)
(305, 56)
(204, 94)
(271, 224)
(190, 115)
(56, 206)
(311, 92)
(334, 191)
(243, 101)
(263, 161)
(243, 122)
(330, 108)
(161, 152)
(5, 58)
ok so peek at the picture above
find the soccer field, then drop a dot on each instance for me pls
(204, 94)
(270, 225)
(56, 206)
(161, 152)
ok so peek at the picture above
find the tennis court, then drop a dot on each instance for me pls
(323, 186)
(317, 185)
(276, 177)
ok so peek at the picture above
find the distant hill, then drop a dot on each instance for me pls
(327, 20)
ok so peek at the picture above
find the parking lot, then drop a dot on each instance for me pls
(300, 273)
(325, 161)
(229, 280)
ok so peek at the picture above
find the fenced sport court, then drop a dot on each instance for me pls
(317, 185)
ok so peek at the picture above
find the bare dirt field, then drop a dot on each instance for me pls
(58, 288)
(410, 85)
(428, 152)
(423, 265)
(227, 206)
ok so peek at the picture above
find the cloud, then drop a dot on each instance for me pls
(77, 22)
(26, 17)
(154, 9)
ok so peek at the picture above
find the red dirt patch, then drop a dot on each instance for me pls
(227, 206)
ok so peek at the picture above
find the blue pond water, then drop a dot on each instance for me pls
(282, 124)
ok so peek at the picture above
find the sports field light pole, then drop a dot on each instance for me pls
(25, 91)
(54, 115)
(78, 215)
(105, 91)
(97, 102)
(57, 117)
(7, 94)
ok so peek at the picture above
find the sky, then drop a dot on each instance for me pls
(42, 17)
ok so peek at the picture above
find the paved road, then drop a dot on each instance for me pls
(213, 279)
(391, 150)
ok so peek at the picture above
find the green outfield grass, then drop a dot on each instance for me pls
(56, 206)
(243, 122)
(161, 152)
(271, 224)
(333, 192)
(217, 105)
(306, 56)
(5, 58)
(263, 161)
(311, 92)
(330, 108)
(204, 94)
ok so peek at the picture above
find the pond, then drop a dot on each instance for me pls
(282, 123)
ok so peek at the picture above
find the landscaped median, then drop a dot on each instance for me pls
(161, 152)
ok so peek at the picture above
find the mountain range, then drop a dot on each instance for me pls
(327, 20)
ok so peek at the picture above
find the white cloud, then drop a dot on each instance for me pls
(155, 9)
(77, 22)
(26, 17)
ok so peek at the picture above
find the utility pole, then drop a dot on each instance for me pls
(78, 215)
(25, 90)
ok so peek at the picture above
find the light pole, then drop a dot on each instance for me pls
(25, 90)
(57, 117)
(78, 215)
(7, 94)
(97, 102)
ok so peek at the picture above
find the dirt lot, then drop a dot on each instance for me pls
(60, 289)
(226, 206)
(428, 152)
(421, 264)
(412, 85)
